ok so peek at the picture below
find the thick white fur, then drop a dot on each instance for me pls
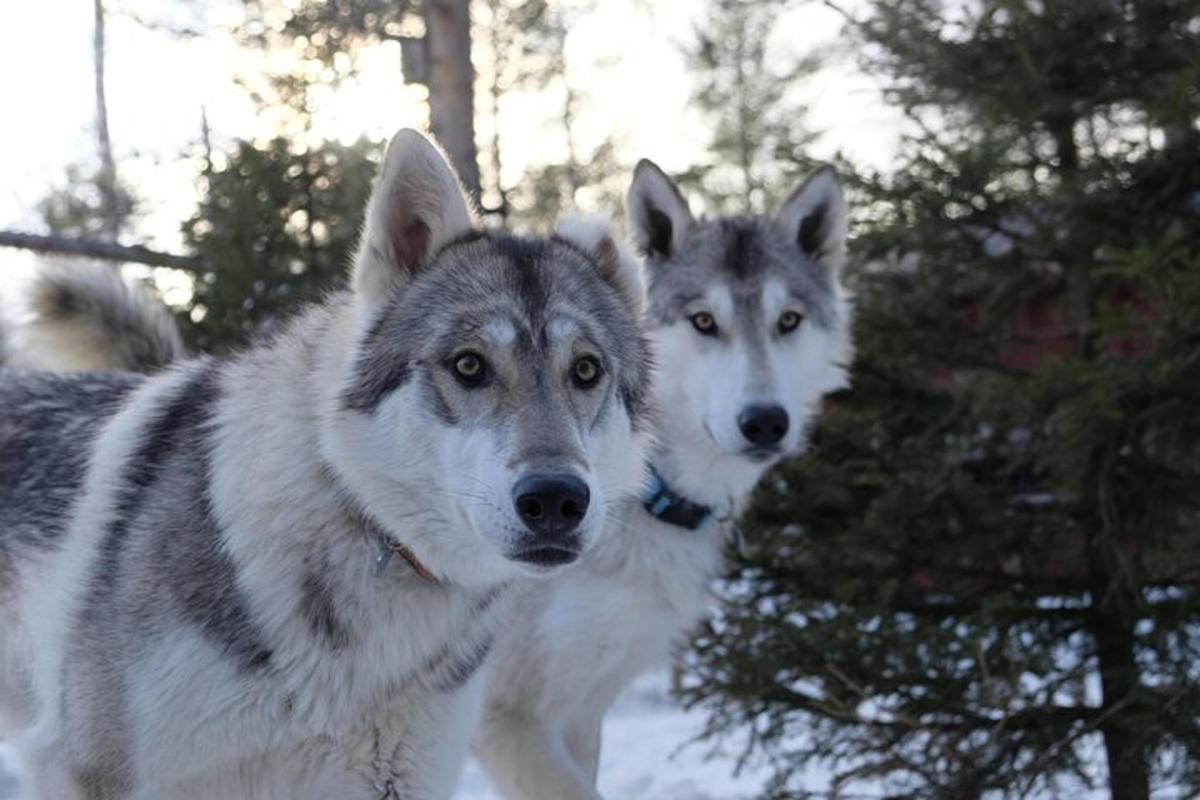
(330, 722)
(580, 638)
(51, 592)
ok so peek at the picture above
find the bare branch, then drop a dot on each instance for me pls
(90, 248)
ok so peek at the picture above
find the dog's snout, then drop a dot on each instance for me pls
(551, 505)
(763, 425)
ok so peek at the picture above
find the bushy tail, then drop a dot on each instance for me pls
(85, 317)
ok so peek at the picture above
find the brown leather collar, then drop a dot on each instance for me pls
(388, 546)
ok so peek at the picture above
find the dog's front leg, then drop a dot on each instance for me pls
(525, 761)
(422, 758)
(583, 742)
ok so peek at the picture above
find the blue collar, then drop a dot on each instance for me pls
(671, 507)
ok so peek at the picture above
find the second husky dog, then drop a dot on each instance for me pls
(752, 327)
(276, 575)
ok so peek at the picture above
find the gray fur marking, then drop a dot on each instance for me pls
(164, 543)
(453, 669)
(742, 252)
(47, 425)
(319, 607)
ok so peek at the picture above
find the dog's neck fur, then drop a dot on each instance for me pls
(285, 539)
(693, 467)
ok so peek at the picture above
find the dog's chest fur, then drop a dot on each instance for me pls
(615, 615)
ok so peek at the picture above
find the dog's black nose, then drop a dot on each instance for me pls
(551, 505)
(763, 426)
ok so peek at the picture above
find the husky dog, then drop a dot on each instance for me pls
(751, 327)
(276, 575)
(86, 318)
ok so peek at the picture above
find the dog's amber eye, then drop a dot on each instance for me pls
(789, 321)
(705, 323)
(470, 368)
(586, 372)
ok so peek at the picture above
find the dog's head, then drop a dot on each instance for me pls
(749, 320)
(495, 405)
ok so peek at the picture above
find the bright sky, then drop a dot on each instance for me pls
(625, 55)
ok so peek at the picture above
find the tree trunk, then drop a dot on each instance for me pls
(451, 85)
(499, 63)
(1111, 624)
(1124, 746)
(1114, 595)
(107, 180)
(568, 123)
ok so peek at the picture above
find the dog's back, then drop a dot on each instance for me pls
(66, 366)
(47, 424)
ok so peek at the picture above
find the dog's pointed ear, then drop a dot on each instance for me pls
(416, 207)
(594, 236)
(659, 217)
(814, 217)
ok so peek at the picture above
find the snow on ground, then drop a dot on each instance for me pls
(8, 783)
(645, 755)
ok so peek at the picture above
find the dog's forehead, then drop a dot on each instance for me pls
(507, 328)
(499, 330)
(751, 258)
(562, 328)
(747, 252)
(511, 290)
(536, 274)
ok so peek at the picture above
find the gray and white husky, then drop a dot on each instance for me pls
(276, 575)
(751, 326)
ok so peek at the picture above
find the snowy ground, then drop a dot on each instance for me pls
(645, 756)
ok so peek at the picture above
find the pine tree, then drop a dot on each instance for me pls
(278, 225)
(745, 89)
(984, 580)
(82, 204)
(520, 47)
